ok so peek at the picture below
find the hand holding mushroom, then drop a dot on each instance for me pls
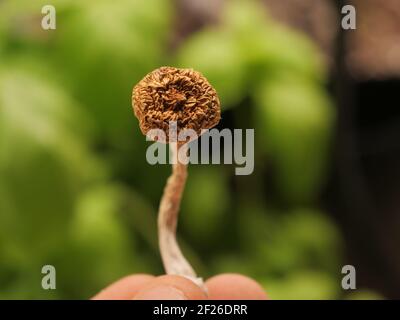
(183, 97)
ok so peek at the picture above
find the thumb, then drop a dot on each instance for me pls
(170, 287)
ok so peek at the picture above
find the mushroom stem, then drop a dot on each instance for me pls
(172, 257)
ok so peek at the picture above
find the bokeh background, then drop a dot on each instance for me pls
(76, 191)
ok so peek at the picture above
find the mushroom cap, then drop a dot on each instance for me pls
(180, 95)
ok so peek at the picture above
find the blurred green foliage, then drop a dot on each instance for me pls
(76, 191)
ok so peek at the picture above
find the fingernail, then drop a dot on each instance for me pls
(161, 293)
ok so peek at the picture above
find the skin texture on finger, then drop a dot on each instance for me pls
(234, 287)
(125, 288)
(170, 287)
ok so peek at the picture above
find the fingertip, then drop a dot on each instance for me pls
(170, 287)
(234, 287)
(125, 288)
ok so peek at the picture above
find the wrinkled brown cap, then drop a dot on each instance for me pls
(171, 94)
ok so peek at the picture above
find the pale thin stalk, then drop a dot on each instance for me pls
(172, 257)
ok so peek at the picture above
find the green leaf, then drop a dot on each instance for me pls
(295, 118)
